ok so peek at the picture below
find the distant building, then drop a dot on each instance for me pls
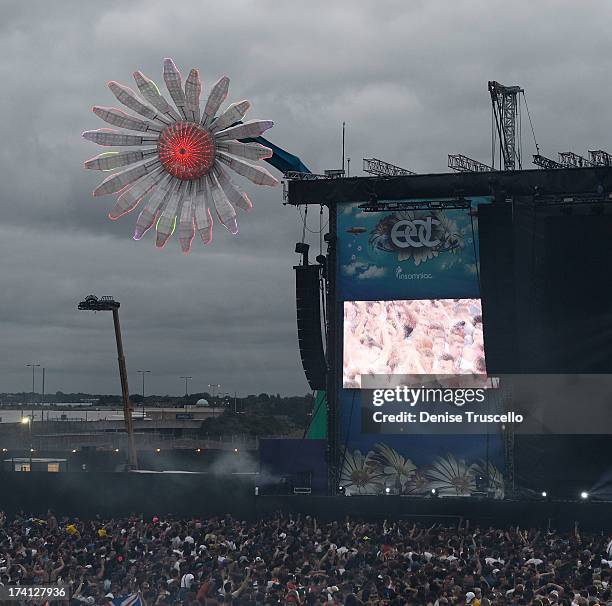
(34, 464)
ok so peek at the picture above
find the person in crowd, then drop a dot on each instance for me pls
(167, 561)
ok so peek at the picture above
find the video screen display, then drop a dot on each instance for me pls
(412, 337)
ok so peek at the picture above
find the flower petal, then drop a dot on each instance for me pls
(231, 115)
(112, 160)
(203, 219)
(256, 174)
(151, 93)
(119, 118)
(129, 199)
(186, 228)
(153, 206)
(234, 194)
(116, 182)
(250, 151)
(248, 130)
(126, 96)
(174, 84)
(110, 138)
(193, 89)
(167, 220)
(225, 211)
(217, 96)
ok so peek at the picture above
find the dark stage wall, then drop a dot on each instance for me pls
(547, 308)
(111, 494)
(546, 288)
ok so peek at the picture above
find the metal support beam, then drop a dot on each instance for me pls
(572, 160)
(125, 392)
(463, 164)
(599, 157)
(395, 206)
(374, 166)
(298, 176)
(546, 163)
(335, 457)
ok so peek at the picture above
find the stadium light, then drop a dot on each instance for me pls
(186, 384)
(92, 303)
(33, 367)
(143, 373)
(584, 495)
(28, 421)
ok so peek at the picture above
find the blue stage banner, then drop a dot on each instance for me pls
(411, 254)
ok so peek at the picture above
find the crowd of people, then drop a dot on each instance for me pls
(164, 561)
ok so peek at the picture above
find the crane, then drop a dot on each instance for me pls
(504, 100)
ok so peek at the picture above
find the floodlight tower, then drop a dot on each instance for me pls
(92, 303)
(33, 367)
(186, 384)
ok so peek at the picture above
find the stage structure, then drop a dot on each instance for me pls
(176, 168)
(457, 274)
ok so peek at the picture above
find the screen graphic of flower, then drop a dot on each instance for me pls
(360, 475)
(176, 164)
(451, 476)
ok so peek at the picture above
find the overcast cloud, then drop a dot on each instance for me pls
(408, 77)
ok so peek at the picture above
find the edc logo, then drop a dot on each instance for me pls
(416, 234)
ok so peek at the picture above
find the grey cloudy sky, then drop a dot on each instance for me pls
(408, 77)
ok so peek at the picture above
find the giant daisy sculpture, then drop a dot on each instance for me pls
(177, 166)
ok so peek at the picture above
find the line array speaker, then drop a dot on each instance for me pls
(309, 324)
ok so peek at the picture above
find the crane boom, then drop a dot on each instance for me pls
(505, 101)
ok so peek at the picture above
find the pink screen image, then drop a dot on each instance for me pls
(412, 337)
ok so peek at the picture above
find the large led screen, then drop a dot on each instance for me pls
(409, 254)
(412, 337)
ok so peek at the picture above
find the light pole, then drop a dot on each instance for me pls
(34, 366)
(42, 397)
(28, 421)
(213, 387)
(92, 303)
(186, 388)
(143, 373)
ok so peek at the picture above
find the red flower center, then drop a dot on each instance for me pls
(186, 150)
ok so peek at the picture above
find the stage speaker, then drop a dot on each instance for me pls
(576, 290)
(497, 288)
(308, 308)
